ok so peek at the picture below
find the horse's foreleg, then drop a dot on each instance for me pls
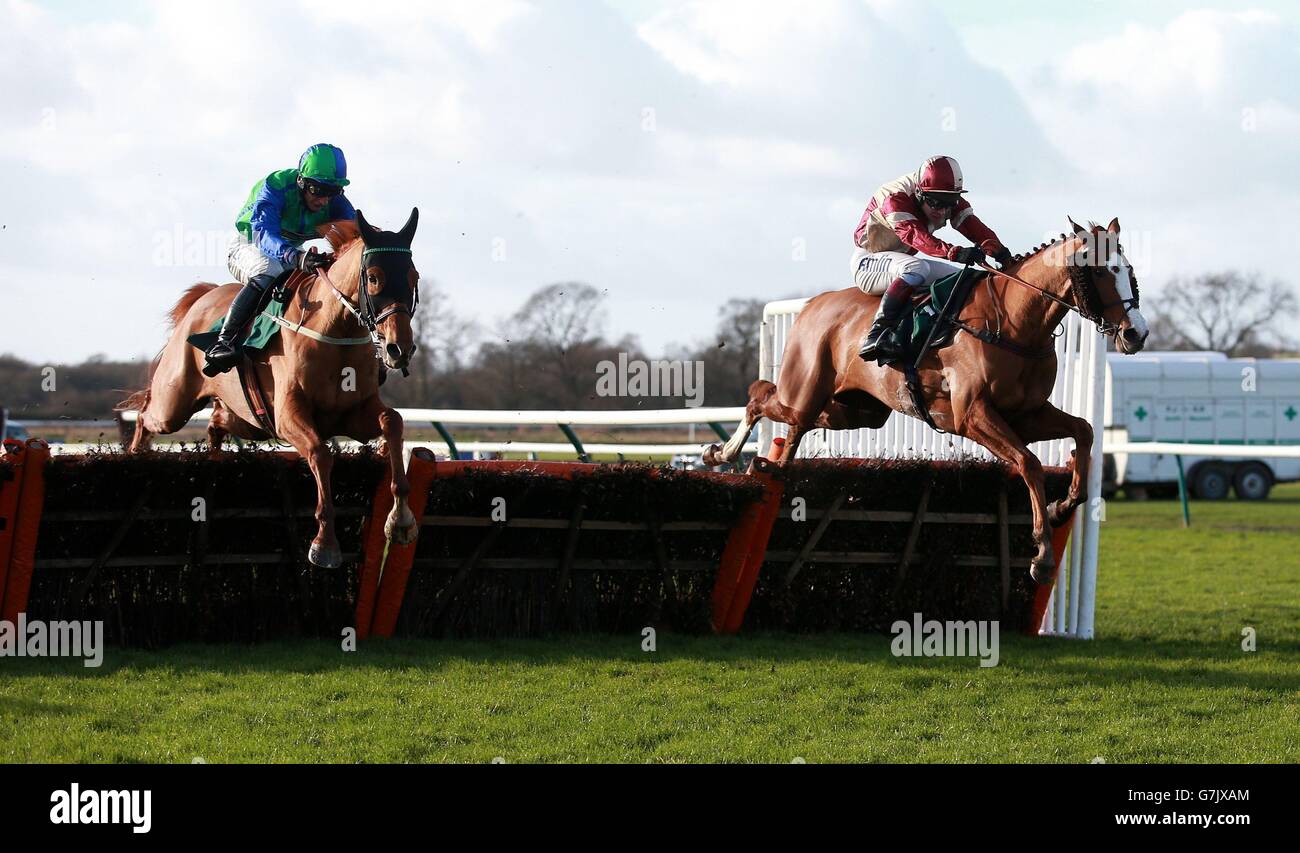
(1047, 423)
(401, 526)
(296, 427)
(986, 425)
(373, 419)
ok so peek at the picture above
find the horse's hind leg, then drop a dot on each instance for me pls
(140, 440)
(218, 427)
(174, 395)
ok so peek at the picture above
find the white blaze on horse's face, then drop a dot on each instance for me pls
(1134, 331)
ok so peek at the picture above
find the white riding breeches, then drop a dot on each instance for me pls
(875, 271)
(246, 260)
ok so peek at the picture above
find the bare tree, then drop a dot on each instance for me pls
(1225, 312)
(731, 356)
(562, 315)
(559, 328)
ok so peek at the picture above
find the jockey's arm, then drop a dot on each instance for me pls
(265, 223)
(914, 234)
(970, 227)
(905, 216)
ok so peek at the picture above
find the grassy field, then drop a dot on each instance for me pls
(1166, 681)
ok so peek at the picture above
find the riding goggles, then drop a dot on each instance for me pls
(940, 201)
(320, 190)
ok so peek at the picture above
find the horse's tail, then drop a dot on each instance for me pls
(137, 400)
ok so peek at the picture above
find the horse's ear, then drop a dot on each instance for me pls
(1078, 229)
(364, 227)
(407, 234)
(1113, 227)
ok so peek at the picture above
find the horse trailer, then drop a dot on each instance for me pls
(1201, 398)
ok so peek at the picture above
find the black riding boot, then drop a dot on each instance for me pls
(880, 344)
(224, 355)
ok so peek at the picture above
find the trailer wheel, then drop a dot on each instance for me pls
(1211, 482)
(1253, 481)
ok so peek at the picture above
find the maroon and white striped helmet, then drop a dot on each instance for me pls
(940, 175)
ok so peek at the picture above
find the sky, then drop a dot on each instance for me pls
(672, 154)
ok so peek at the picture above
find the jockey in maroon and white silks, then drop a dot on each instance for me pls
(900, 221)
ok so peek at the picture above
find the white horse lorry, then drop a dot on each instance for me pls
(1201, 398)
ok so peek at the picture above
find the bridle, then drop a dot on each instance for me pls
(364, 310)
(1087, 296)
(367, 315)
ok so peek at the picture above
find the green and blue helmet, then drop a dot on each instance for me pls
(324, 163)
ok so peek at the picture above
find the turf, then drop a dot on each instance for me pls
(1166, 680)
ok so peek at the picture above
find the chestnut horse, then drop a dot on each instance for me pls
(319, 373)
(993, 392)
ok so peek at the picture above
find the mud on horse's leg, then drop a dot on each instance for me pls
(297, 428)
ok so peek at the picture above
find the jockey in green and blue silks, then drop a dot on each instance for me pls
(281, 213)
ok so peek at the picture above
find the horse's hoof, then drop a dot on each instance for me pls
(401, 534)
(1043, 573)
(710, 456)
(324, 557)
(1058, 513)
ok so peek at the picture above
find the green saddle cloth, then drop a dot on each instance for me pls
(262, 332)
(912, 329)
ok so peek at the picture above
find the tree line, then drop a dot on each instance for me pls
(546, 355)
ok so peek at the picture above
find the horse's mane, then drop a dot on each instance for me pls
(339, 233)
(1041, 248)
(1093, 227)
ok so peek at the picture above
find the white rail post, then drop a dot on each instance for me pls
(1092, 521)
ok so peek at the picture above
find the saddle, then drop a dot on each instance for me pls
(931, 324)
(262, 329)
(923, 313)
(259, 333)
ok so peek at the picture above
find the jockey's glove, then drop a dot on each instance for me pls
(967, 255)
(1002, 256)
(312, 260)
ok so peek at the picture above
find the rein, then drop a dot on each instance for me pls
(1079, 283)
(1041, 291)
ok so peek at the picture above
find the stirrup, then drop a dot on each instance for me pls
(882, 348)
(215, 366)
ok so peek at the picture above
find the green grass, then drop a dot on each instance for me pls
(1165, 681)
